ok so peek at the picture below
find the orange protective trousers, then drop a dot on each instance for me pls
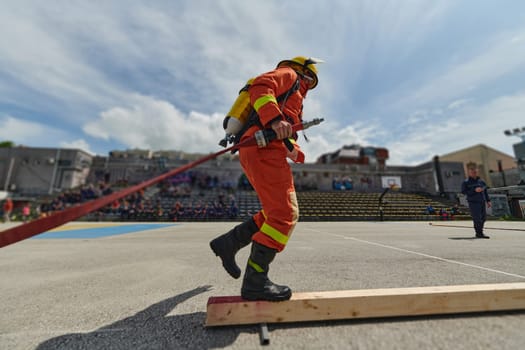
(269, 173)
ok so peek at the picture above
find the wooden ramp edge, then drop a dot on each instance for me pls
(367, 303)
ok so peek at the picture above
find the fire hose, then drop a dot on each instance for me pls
(37, 226)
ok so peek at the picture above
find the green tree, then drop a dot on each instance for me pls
(7, 144)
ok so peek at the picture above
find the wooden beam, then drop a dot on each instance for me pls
(367, 303)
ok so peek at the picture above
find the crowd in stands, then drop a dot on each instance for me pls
(24, 212)
(175, 200)
(444, 213)
(72, 197)
(138, 208)
(187, 196)
(215, 209)
(29, 210)
(181, 185)
(342, 184)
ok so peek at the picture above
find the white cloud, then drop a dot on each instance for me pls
(77, 144)
(42, 64)
(158, 125)
(25, 132)
(465, 125)
(149, 123)
(92, 56)
(457, 103)
(34, 134)
(145, 122)
(420, 144)
(161, 74)
(329, 136)
(478, 71)
(489, 120)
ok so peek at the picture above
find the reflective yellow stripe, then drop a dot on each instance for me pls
(292, 141)
(255, 266)
(261, 101)
(295, 211)
(274, 234)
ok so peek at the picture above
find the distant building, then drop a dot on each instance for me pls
(131, 154)
(37, 171)
(487, 159)
(519, 152)
(137, 165)
(372, 157)
(30, 171)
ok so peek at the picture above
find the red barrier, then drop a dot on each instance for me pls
(38, 226)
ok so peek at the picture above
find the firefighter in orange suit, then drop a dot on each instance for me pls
(269, 173)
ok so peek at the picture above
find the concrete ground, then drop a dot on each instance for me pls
(148, 289)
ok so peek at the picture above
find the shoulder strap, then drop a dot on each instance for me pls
(295, 86)
(253, 118)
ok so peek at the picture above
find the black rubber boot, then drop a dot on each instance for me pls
(227, 245)
(256, 284)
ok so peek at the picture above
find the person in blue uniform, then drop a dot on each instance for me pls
(478, 200)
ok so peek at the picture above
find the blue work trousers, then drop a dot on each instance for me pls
(478, 212)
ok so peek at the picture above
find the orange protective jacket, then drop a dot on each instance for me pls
(263, 97)
(267, 168)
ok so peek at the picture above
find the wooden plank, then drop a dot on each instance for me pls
(367, 303)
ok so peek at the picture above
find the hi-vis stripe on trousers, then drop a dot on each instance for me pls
(270, 174)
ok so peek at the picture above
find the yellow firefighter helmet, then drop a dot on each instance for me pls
(305, 66)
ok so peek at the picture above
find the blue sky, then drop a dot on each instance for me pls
(417, 77)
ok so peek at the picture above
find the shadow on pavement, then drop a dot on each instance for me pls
(463, 238)
(151, 329)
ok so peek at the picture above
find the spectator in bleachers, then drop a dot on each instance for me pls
(443, 214)
(145, 210)
(57, 204)
(234, 210)
(221, 199)
(347, 183)
(159, 212)
(336, 183)
(227, 183)
(218, 209)
(454, 211)
(26, 212)
(115, 206)
(8, 209)
(429, 210)
(132, 212)
(45, 209)
(188, 211)
(244, 184)
(173, 214)
(124, 210)
(365, 182)
(198, 210)
(342, 184)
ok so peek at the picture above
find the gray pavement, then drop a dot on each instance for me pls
(148, 289)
